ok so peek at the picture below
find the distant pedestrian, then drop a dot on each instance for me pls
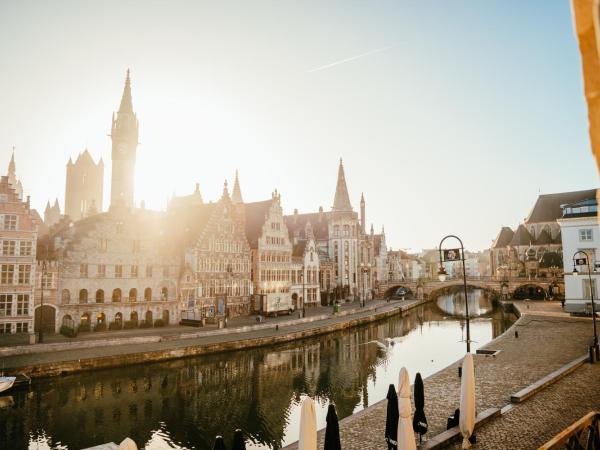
(562, 303)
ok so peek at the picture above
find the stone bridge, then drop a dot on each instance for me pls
(534, 288)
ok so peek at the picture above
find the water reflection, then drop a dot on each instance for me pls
(454, 302)
(184, 403)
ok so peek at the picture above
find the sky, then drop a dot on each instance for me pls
(450, 117)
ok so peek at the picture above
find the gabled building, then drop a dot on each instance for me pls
(305, 270)
(84, 187)
(534, 249)
(18, 237)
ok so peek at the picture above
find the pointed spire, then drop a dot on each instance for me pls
(236, 195)
(47, 205)
(56, 205)
(11, 164)
(362, 198)
(126, 102)
(225, 190)
(341, 201)
(372, 229)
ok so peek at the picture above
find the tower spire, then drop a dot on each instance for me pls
(236, 195)
(341, 201)
(11, 164)
(126, 102)
(362, 212)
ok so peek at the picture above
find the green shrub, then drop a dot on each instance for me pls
(83, 326)
(159, 323)
(144, 324)
(100, 327)
(115, 326)
(68, 331)
(130, 324)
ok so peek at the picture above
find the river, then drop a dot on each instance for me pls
(183, 404)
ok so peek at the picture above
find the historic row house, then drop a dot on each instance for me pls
(271, 247)
(18, 237)
(305, 288)
(217, 258)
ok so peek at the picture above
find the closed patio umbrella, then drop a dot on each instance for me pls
(308, 426)
(128, 444)
(219, 443)
(332, 430)
(406, 436)
(466, 422)
(419, 419)
(238, 440)
(391, 419)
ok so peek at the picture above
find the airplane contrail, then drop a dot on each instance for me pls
(352, 58)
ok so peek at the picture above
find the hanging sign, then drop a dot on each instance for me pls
(581, 262)
(452, 254)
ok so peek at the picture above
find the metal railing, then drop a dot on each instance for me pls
(583, 434)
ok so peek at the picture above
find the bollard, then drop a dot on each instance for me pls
(459, 371)
(516, 334)
(276, 327)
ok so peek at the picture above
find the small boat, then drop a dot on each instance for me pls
(6, 383)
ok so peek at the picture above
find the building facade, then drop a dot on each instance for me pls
(84, 188)
(580, 240)
(18, 238)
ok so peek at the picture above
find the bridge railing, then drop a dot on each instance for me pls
(495, 279)
(583, 434)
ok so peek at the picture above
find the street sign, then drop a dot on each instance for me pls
(452, 254)
(581, 262)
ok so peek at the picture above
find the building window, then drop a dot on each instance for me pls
(23, 305)
(99, 296)
(118, 271)
(48, 280)
(101, 270)
(5, 305)
(102, 244)
(589, 288)
(10, 222)
(585, 234)
(116, 295)
(22, 327)
(134, 271)
(5, 328)
(83, 270)
(25, 248)
(8, 248)
(148, 271)
(7, 274)
(133, 295)
(148, 294)
(83, 296)
(65, 297)
(24, 274)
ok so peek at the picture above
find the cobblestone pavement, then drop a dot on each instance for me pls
(534, 422)
(545, 343)
(19, 361)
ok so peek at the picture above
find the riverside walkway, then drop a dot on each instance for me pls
(63, 356)
(547, 340)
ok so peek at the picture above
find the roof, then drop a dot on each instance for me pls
(256, 214)
(544, 238)
(521, 237)
(504, 237)
(296, 223)
(298, 249)
(341, 201)
(547, 208)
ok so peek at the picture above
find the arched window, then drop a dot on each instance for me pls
(148, 316)
(164, 293)
(148, 294)
(66, 296)
(99, 296)
(134, 316)
(119, 318)
(116, 295)
(83, 296)
(133, 295)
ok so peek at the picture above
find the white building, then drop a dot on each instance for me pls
(580, 233)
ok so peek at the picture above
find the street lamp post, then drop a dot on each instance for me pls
(586, 262)
(303, 291)
(365, 270)
(451, 255)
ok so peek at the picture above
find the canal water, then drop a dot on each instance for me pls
(183, 404)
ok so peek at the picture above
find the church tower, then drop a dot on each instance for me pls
(236, 195)
(84, 186)
(124, 136)
(362, 213)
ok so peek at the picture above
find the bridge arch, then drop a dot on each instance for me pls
(399, 291)
(531, 291)
(456, 286)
